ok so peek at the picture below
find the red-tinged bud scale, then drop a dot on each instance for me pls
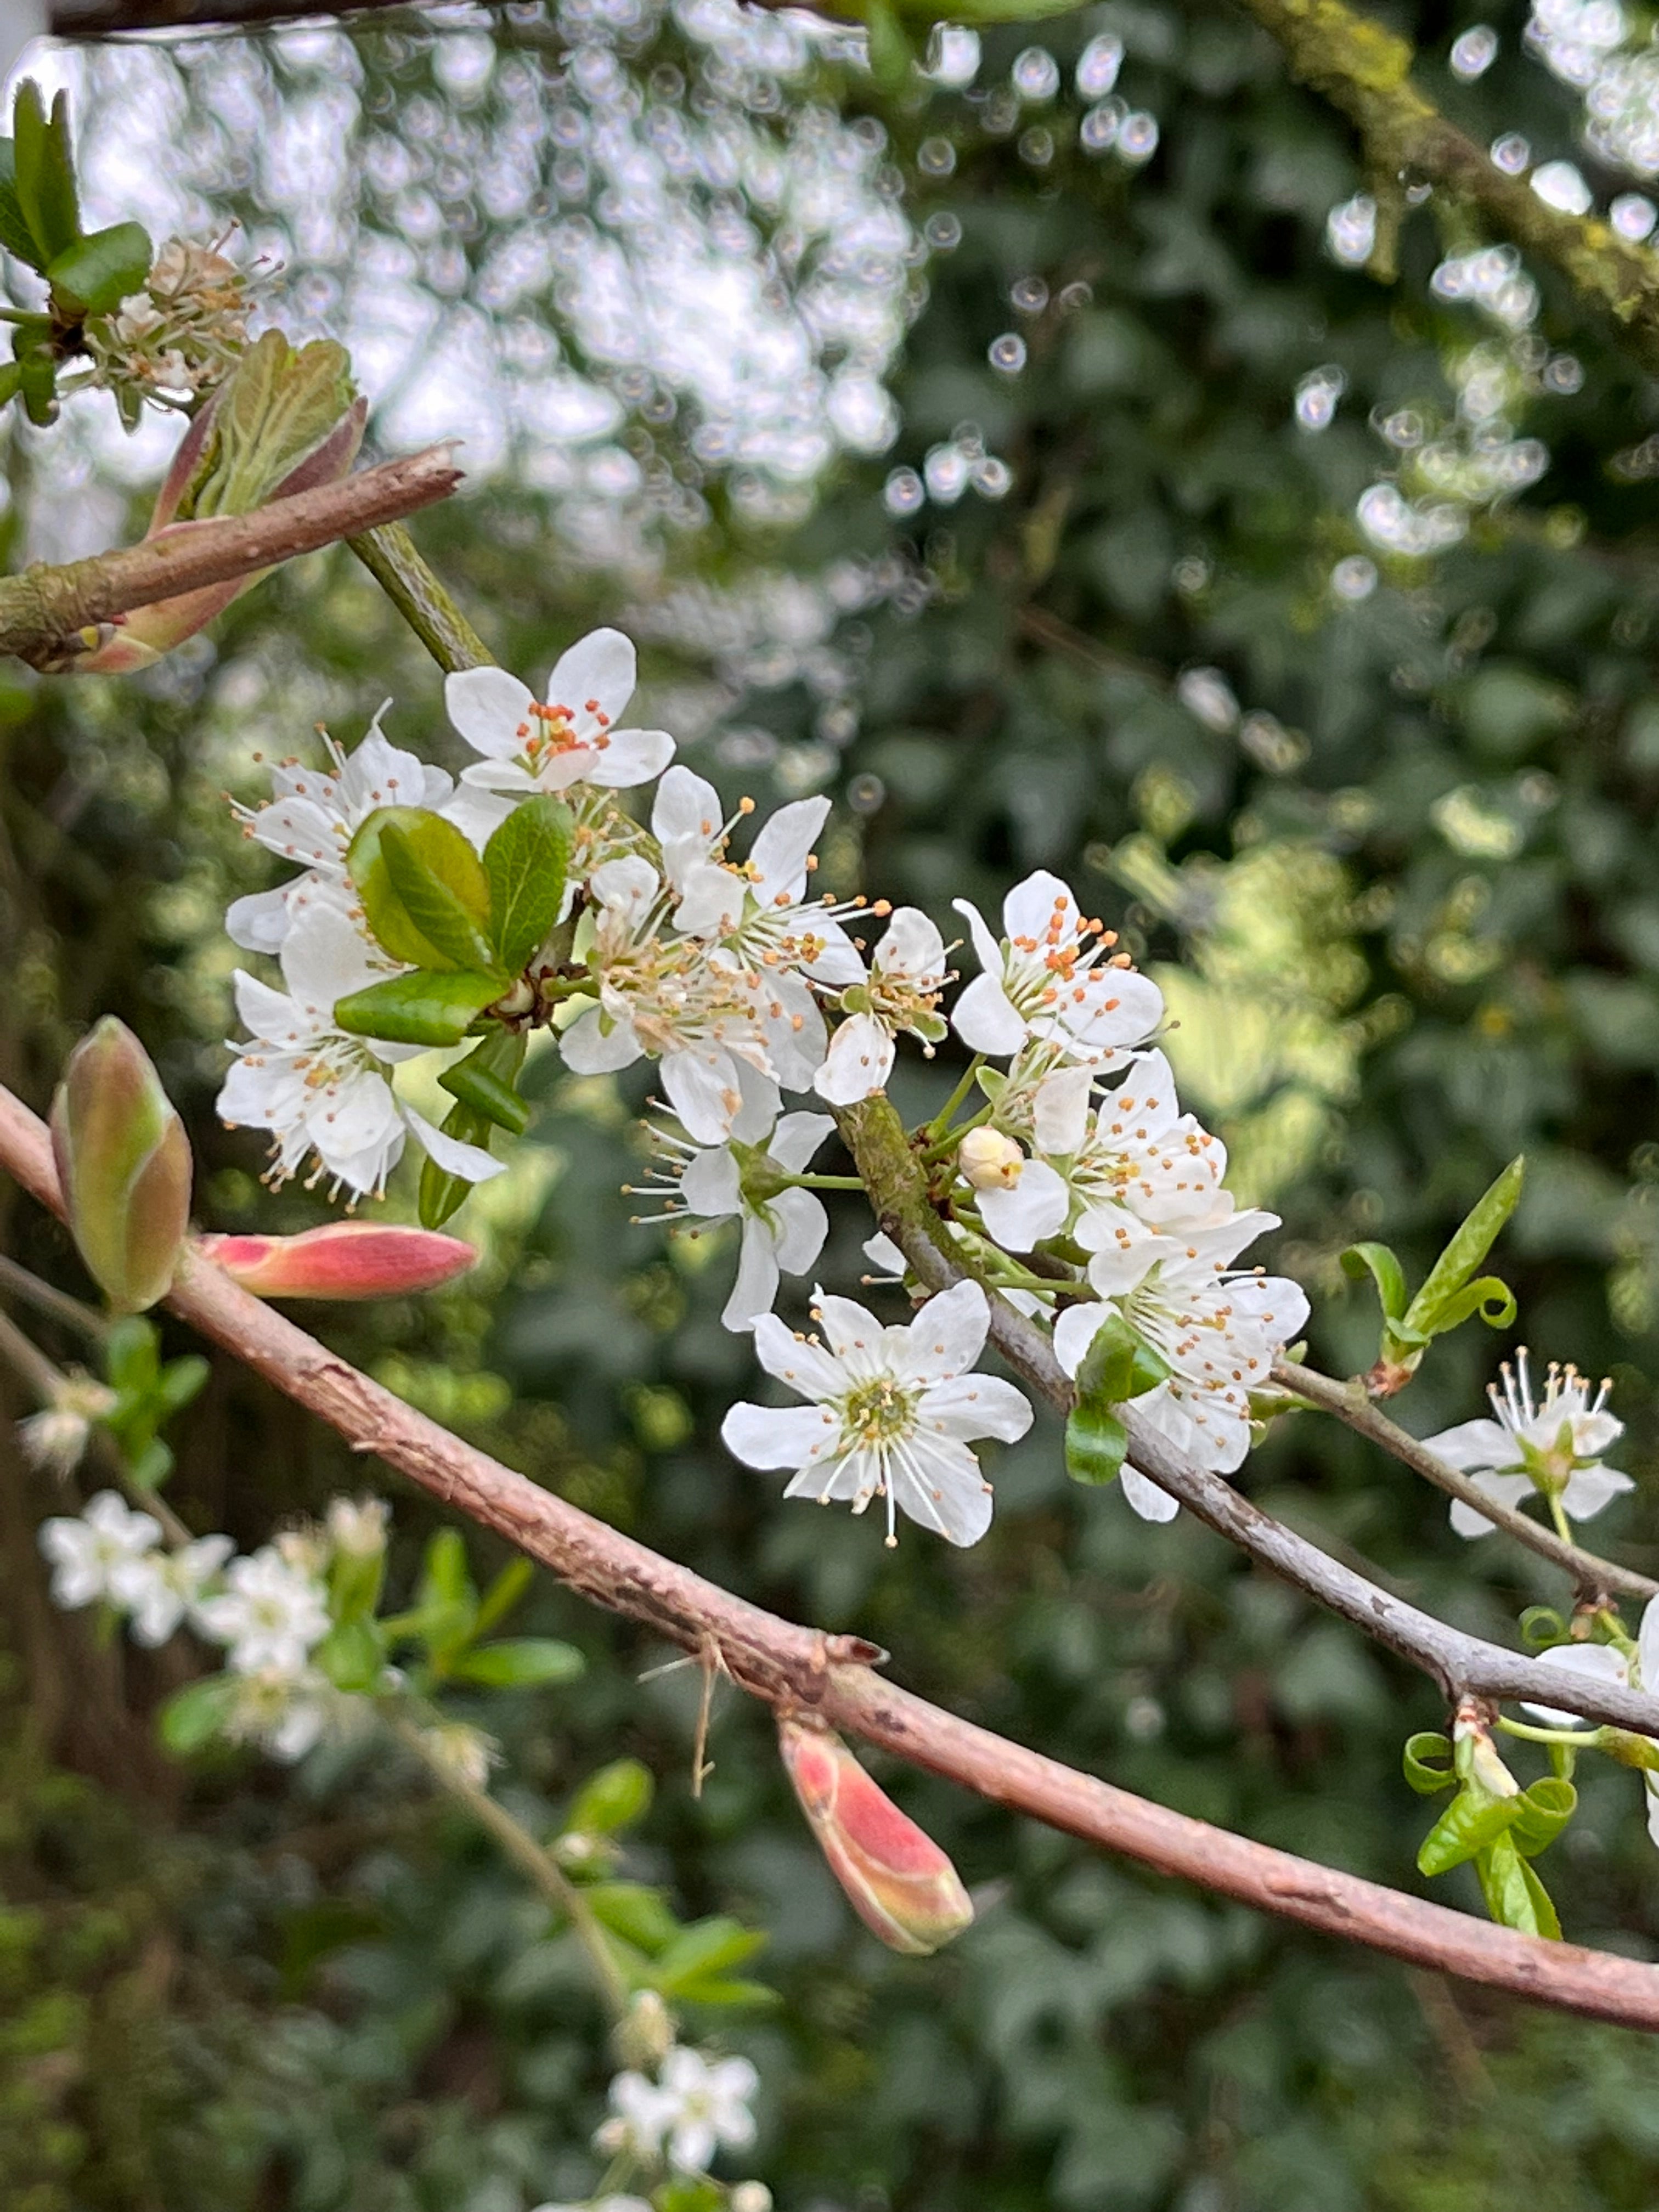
(342, 1259)
(898, 1880)
(123, 1162)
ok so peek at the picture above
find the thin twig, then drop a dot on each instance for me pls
(1592, 1576)
(526, 1854)
(44, 606)
(795, 1667)
(1461, 1665)
(46, 1299)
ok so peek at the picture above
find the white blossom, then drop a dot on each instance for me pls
(893, 1411)
(1551, 1445)
(287, 1710)
(530, 745)
(783, 1229)
(902, 993)
(88, 1550)
(1218, 1331)
(55, 1437)
(316, 1090)
(311, 816)
(667, 998)
(1134, 1150)
(695, 2106)
(161, 1589)
(1053, 976)
(269, 1615)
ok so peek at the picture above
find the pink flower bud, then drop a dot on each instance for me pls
(342, 1259)
(123, 1162)
(900, 1883)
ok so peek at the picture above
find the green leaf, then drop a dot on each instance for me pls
(131, 1354)
(433, 1006)
(504, 1593)
(423, 888)
(1116, 1367)
(11, 382)
(1469, 1247)
(441, 1193)
(192, 1717)
(519, 1663)
(689, 2193)
(1514, 1896)
(639, 1915)
(1488, 1295)
(352, 1655)
(181, 1382)
(1096, 1444)
(150, 1464)
(1385, 1271)
(475, 1082)
(700, 1951)
(43, 172)
(445, 1576)
(97, 272)
(526, 861)
(1427, 1761)
(1546, 1808)
(14, 232)
(1467, 1825)
(37, 385)
(614, 1798)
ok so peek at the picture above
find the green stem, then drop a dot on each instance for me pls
(526, 1854)
(820, 1182)
(941, 1121)
(1580, 1738)
(390, 557)
(1559, 1516)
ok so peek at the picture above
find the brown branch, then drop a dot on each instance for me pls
(1592, 1575)
(42, 607)
(797, 1668)
(1363, 68)
(1461, 1665)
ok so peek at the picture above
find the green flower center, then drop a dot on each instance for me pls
(878, 1413)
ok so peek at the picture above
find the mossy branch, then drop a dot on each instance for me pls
(1364, 71)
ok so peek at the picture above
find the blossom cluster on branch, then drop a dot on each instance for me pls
(468, 914)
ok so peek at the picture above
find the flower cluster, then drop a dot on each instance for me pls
(694, 2107)
(696, 939)
(181, 335)
(268, 1609)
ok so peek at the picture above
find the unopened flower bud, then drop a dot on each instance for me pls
(357, 1525)
(900, 1883)
(750, 2197)
(54, 1438)
(123, 1162)
(341, 1259)
(466, 1752)
(989, 1160)
(645, 2036)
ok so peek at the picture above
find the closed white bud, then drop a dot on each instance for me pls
(645, 2036)
(750, 2197)
(465, 1752)
(989, 1160)
(357, 1526)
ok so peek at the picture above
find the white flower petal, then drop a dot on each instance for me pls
(1507, 1489)
(1035, 1208)
(757, 1286)
(600, 667)
(1600, 1662)
(858, 1061)
(800, 1226)
(469, 1161)
(969, 1406)
(985, 1018)
(628, 757)
(1143, 1497)
(776, 1435)
(796, 1137)
(490, 709)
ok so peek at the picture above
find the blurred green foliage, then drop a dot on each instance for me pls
(1404, 912)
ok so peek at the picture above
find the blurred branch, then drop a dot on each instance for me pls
(44, 606)
(1365, 69)
(1463, 1666)
(17, 1282)
(799, 1669)
(103, 19)
(1592, 1576)
(390, 557)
